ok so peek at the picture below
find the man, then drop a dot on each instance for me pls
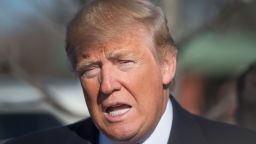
(125, 59)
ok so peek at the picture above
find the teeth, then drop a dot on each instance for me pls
(118, 112)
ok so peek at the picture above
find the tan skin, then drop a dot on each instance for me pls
(124, 83)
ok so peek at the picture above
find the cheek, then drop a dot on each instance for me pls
(145, 85)
(149, 79)
(90, 89)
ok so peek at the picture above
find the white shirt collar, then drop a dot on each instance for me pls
(160, 134)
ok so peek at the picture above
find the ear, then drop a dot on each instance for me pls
(168, 68)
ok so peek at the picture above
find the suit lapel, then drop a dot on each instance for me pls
(84, 132)
(184, 128)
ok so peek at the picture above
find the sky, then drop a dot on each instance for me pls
(14, 13)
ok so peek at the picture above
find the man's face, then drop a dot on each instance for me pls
(123, 85)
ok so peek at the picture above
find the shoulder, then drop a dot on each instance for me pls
(74, 133)
(222, 133)
(188, 127)
(45, 136)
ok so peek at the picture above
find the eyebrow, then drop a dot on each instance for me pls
(86, 63)
(120, 54)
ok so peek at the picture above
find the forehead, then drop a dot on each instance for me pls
(127, 41)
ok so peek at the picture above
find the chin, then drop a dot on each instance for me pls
(121, 134)
(124, 134)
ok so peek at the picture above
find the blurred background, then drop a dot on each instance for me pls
(215, 38)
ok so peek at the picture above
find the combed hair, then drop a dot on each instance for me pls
(103, 19)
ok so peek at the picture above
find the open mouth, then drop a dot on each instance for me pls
(117, 110)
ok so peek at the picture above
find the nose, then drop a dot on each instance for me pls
(109, 80)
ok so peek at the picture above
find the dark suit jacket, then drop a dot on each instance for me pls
(186, 129)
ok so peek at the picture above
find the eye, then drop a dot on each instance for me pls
(90, 72)
(125, 64)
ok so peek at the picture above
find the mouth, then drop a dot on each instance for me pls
(115, 112)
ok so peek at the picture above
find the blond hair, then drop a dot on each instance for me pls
(102, 19)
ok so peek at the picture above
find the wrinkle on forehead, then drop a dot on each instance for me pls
(122, 45)
(121, 34)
